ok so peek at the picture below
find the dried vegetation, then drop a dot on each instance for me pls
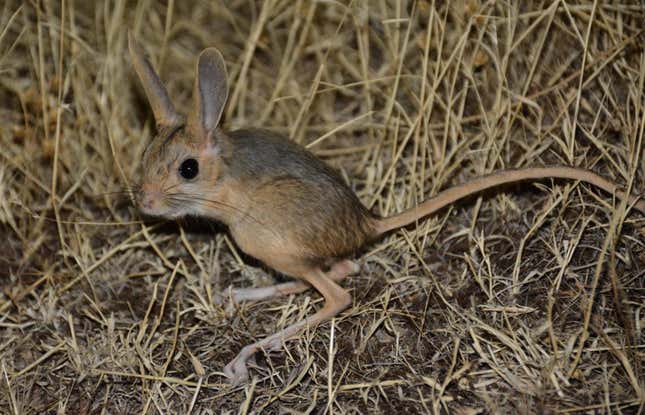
(527, 300)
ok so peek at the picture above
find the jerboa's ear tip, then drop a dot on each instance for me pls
(162, 107)
(212, 57)
(211, 52)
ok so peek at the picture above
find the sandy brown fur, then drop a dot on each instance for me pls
(298, 195)
(282, 205)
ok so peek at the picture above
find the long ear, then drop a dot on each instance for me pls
(162, 108)
(210, 93)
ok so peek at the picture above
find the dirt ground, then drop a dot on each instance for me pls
(526, 299)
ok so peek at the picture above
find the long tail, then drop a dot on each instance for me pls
(453, 194)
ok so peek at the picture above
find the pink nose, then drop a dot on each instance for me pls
(145, 201)
(148, 198)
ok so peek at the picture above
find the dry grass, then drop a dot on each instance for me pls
(525, 301)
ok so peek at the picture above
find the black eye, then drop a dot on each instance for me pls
(189, 169)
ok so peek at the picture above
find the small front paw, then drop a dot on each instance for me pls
(226, 300)
(236, 370)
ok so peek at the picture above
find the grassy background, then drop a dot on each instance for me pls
(524, 301)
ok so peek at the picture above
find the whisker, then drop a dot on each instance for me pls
(126, 192)
(174, 203)
(204, 201)
(182, 197)
(169, 188)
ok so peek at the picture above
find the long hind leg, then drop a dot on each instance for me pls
(336, 300)
(338, 271)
